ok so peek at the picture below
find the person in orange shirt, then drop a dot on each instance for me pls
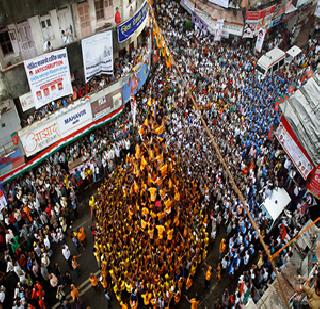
(93, 281)
(177, 297)
(27, 212)
(189, 282)
(124, 306)
(81, 235)
(207, 276)
(222, 247)
(193, 302)
(74, 293)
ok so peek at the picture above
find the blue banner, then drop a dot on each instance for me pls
(141, 75)
(127, 28)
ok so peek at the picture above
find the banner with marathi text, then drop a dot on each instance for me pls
(128, 28)
(49, 77)
(292, 147)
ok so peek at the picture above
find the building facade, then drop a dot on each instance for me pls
(43, 26)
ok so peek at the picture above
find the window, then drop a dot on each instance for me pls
(261, 70)
(84, 17)
(99, 9)
(46, 23)
(5, 43)
(108, 3)
(281, 63)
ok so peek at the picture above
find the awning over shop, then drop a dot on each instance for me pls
(302, 112)
(210, 14)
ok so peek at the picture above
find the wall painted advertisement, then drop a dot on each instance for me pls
(128, 28)
(105, 101)
(49, 77)
(39, 136)
(75, 118)
(97, 52)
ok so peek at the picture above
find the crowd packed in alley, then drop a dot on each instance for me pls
(164, 198)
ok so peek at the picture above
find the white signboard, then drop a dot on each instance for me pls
(289, 145)
(39, 136)
(26, 101)
(223, 3)
(218, 30)
(117, 100)
(49, 77)
(75, 119)
(260, 39)
(97, 53)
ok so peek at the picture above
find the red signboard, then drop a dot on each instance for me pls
(314, 183)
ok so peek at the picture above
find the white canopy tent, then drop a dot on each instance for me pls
(275, 203)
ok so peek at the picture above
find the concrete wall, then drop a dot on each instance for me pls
(13, 81)
(9, 123)
(14, 11)
(16, 82)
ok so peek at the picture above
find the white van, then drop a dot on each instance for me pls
(270, 62)
(292, 53)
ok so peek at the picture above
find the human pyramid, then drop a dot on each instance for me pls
(151, 227)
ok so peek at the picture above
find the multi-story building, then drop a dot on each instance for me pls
(30, 28)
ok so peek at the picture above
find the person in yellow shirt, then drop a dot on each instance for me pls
(146, 298)
(143, 163)
(159, 159)
(143, 225)
(153, 194)
(169, 234)
(163, 170)
(160, 229)
(160, 129)
(137, 151)
(92, 206)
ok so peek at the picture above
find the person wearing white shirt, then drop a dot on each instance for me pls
(66, 253)
(2, 294)
(46, 242)
(246, 258)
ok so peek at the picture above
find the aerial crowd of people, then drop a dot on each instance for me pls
(164, 201)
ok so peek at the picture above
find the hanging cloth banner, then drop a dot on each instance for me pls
(128, 28)
(260, 39)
